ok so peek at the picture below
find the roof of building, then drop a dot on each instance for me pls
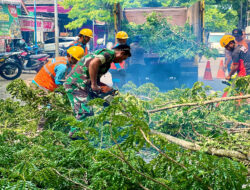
(176, 15)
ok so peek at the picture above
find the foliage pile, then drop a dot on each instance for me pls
(135, 143)
(169, 42)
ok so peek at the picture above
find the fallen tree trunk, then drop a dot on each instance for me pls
(196, 147)
(216, 100)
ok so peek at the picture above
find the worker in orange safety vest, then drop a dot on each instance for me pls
(122, 38)
(54, 72)
(84, 37)
(117, 78)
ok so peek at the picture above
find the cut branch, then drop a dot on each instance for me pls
(239, 130)
(167, 157)
(237, 123)
(196, 147)
(68, 179)
(216, 100)
(123, 159)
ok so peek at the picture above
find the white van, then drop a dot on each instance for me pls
(49, 45)
(214, 41)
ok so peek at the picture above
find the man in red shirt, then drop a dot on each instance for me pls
(240, 40)
(240, 56)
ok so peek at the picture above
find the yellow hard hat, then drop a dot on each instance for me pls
(122, 35)
(76, 51)
(226, 39)
(87, 32)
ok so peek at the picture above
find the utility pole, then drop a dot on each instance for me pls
(241, 12)
(35, 27)
(93, 25)
(117, 18)
(202, 21)
(56, 29)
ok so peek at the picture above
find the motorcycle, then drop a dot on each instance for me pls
(28, 57)
(30, 61)
(9, 68)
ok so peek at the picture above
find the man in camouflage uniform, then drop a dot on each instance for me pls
(85, 77)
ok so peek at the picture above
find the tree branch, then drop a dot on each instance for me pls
(196, 147)
(216, 100)
(168, 157)
(68, 179)
(237, 123)
(123, 159)
(239, 130)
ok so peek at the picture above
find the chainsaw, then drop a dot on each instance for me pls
(106, 93)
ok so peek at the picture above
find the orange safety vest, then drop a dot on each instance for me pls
(86, 51)
(77, 43)
(122, 64)
(45, 78)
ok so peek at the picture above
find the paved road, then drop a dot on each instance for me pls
(27, 76)
(215, 83)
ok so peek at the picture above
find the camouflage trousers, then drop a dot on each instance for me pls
(78, 99)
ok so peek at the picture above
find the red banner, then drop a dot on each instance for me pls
(27, 25)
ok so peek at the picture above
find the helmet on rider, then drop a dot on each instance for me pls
(21, 43)
(226, 39)
(100, 41)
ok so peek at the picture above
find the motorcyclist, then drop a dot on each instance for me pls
(100, 45)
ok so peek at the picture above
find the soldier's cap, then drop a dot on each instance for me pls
(237, 32)
(123, 47)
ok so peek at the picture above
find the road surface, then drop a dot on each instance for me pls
(27, 76)
(215, 83)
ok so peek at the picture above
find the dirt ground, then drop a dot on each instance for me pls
(215, 83)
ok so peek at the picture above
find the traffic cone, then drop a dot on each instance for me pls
(208, 74)
(221, 73)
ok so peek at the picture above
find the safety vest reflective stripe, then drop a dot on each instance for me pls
(53, 62)
(49, 73)
(45, 89)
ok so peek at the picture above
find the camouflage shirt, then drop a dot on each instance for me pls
(79, 76)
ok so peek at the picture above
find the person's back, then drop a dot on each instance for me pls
(241, 55)
(239, 40)
(45, 78)
(79, 76)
